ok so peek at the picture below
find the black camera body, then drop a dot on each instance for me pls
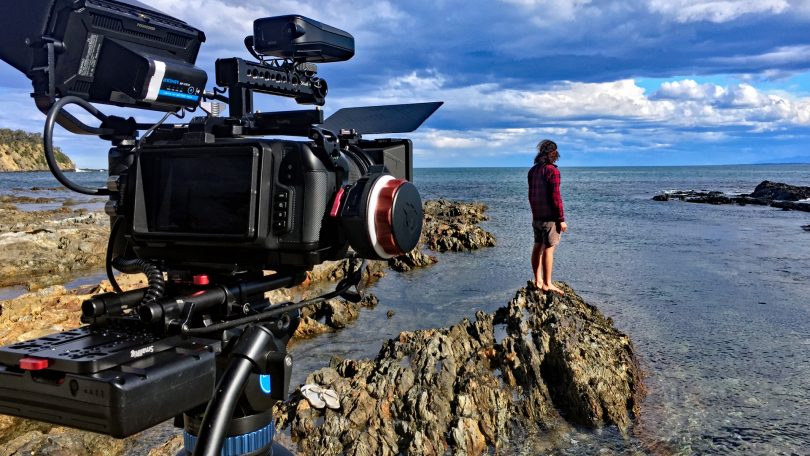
(203, 209)
(246, 204)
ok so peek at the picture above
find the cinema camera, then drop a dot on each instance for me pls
(202, 208)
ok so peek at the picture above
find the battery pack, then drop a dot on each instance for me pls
(114, 381)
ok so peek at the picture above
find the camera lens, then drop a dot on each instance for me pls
(398, 216)
(382, 216)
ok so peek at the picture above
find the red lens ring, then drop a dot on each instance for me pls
(383, 217)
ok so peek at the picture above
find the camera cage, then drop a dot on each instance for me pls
(158, 352)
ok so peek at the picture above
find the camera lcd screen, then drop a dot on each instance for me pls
(198, 193)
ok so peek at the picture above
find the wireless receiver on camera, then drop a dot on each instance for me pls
(203, 209)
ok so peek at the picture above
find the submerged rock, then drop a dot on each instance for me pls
(461, 390)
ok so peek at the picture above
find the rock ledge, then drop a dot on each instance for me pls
(539, 363)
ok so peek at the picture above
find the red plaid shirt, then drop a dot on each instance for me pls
(544, 193)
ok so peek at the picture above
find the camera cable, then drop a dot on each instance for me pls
(50, 121)
(154, 276)
(108, 257)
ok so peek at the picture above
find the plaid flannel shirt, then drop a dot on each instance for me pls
(544, 194)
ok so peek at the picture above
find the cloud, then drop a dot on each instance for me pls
(554, 10)
(485, 121)
(531, 40)
(513, 70)
(715, 10)
(781, 57)
(688, 90)
(676, 103)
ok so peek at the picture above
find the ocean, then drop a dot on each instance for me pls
(715, 298)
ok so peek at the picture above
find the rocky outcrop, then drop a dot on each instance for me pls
(778, 191)
(453, 226)
(541, 362)
(774, 194)
(22, 151)
(43, 248)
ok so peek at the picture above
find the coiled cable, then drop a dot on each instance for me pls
(154, 276)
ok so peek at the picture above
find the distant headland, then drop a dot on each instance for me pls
(22, 151)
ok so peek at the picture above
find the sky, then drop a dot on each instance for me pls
(614, 83)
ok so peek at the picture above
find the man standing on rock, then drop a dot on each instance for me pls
(548, 219)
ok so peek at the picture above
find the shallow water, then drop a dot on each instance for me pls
(37, 184)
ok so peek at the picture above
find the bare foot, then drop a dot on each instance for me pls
(538, 285)
(553, 288)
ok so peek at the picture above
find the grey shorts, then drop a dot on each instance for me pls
(546, 233)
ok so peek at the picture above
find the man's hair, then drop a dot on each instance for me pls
(544, 150)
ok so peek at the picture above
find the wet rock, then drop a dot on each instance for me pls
(767, 193)
(806, 227)
(390, 314)
(710, 199)
(411, 260)
(459, 390)
(42, 189)
(340, 313)
(332, 315)
(779, 191)
(791, 206)
(459, 238)
(21, 199)
(587, 364)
